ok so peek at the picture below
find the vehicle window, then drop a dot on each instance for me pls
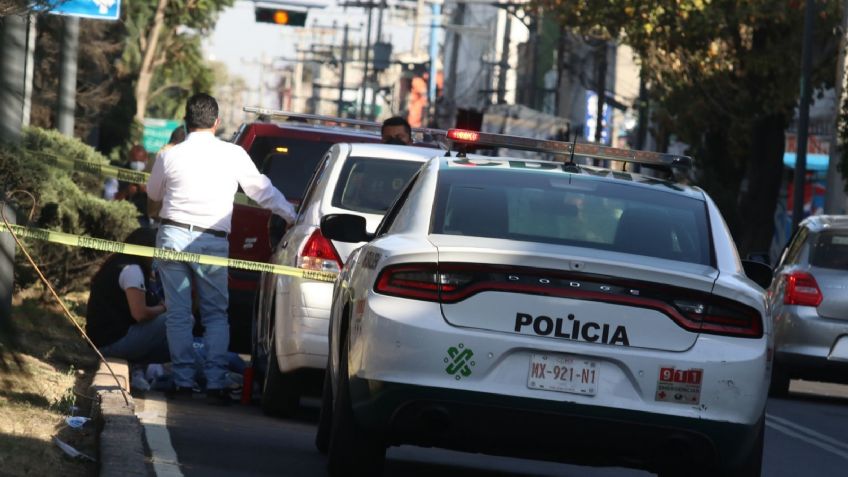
(392, 213)
(289, 163)
(830, 250)
(316, 177)
(538, 207)
(793, 253)
(371, 185)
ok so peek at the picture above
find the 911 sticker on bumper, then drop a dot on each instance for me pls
(679, 385)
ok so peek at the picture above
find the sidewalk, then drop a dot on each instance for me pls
(120, 432)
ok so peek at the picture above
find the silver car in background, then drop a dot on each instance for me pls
(292, 313)
(809, 299)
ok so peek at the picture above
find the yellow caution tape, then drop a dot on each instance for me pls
(108, 170)
(164, 254)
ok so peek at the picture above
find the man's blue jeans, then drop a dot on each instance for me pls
(144, 343)
(210, 283)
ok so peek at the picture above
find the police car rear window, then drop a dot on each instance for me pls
(831, 250)
(572, 210)
(370, 185)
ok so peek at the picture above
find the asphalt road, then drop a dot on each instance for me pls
(806, 434)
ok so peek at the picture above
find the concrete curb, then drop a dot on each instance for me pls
(120, 432)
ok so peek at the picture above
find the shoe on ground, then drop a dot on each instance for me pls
(218, 397)
(179, 392)
(138, 381)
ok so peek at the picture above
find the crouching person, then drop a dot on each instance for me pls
(124, 320)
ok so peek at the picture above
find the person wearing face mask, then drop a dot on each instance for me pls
(135, 193)
(396, 130)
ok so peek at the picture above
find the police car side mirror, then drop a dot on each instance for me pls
(758, 272)
(345, 228)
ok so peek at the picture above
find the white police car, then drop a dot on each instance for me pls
(547, 310)
(292, 313)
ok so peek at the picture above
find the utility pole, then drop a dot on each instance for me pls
(601, 87)
(436, 12)
(13, 33)
(803, 117)
(374, 79)
(339, 107)
(535, 36)
(503, 66)
(29, 69)
(367, 56)
(836, 201)
(450, 86)
(68, 76)
(642, 106)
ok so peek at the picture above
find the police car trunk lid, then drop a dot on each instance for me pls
(567, 293)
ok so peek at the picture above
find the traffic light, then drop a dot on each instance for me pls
(280, 16)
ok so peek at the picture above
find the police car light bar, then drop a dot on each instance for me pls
(281, 114)
(462, 136)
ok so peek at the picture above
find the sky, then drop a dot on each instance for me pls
(241, 43)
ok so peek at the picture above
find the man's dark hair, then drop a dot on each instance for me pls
(177, 135)
(397, 121)
(201, 112)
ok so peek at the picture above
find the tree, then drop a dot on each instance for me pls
(17, 7)
(725, 77)
(163, 50)
(98, 90)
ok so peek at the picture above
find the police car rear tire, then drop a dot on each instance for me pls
(325, 418)
(352, 452)
(281, 391)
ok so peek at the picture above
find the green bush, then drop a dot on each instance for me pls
(66, 201)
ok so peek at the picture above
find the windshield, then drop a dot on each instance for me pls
(370, 185)
(571, 210)
(288, 162)
(831, 250)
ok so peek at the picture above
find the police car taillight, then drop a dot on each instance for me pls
(319, 254)
(719, 316)
(802, 289)
(419, 281)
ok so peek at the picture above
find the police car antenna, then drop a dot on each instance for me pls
(573, 147)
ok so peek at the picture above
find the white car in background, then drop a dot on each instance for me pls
(547, 310)
(292, 313)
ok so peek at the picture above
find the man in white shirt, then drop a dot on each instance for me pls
(196, 182)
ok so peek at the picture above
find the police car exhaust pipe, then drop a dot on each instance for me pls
(681, 449)
(436, 419)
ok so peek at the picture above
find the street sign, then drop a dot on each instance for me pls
(157, 132)
(96, 9)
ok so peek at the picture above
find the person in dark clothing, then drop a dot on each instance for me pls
(123, 320)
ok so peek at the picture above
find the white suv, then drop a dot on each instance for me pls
(292, 314)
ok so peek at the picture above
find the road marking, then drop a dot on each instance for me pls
(808, 435)
(155, 421)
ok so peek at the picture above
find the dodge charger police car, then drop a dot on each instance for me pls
(548, 310)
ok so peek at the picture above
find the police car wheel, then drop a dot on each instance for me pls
(281, 391)
(779, 382)
(325, 419)
(351, 452)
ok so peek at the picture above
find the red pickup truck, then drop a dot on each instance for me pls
(287, 152)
